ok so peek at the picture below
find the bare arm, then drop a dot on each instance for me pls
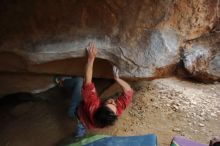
(92, 51)
(125, 86)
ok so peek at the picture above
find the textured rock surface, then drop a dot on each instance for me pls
(193, 18)
(201, 63)
(214, 66)
(14, 83)
(201, 58)
(143, 38)
(196, 60)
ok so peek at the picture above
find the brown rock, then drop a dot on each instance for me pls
(202, 60)
(142, 38)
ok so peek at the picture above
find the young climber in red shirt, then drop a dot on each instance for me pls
(86, 106)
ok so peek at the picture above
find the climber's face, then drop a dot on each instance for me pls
(110, 103)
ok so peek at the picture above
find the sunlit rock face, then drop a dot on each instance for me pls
(145, 39)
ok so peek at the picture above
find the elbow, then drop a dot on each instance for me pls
(128, 89)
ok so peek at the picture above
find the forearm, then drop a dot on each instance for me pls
(89, 71)
(124, 85)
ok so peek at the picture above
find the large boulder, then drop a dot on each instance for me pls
(143, 38)
(201, 58)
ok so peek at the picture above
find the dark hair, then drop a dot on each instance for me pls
(216, 144)
(104, 117)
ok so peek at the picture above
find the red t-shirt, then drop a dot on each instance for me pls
(91, 102)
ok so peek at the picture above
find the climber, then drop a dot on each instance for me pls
(86, 106)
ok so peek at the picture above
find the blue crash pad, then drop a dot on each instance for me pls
(106, 140)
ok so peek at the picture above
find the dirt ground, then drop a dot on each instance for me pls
(166, 107)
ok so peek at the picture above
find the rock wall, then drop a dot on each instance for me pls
(145, 39)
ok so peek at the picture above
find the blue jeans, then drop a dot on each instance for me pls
(74, 86)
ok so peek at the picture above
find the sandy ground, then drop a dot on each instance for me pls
(166, 107)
